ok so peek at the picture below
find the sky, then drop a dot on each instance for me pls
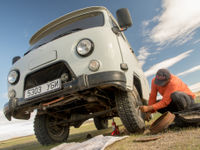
(165, 34)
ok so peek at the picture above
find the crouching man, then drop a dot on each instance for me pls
(176, 96)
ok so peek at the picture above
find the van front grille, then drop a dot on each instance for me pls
(47, 74)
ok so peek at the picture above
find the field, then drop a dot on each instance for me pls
(76, 135)
(172, 138)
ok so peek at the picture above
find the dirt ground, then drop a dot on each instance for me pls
(171, 139)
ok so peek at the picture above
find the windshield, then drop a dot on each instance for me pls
(72, 25)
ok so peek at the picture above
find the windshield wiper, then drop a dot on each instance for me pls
(66, 33)
(34, 48)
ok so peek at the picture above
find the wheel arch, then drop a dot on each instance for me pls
(137, 84)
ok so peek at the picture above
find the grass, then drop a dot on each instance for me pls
(181, 139)
(175, 138)
(76, 135)
(79, 135)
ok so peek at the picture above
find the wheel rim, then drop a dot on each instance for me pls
(54, 129)
(137, 104)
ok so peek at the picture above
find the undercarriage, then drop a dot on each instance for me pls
(76, 108)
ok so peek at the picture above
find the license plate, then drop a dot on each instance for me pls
(44, 88)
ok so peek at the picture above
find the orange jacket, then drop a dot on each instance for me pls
(175, 84)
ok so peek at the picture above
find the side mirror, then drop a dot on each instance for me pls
(15, 59)
(124, 18)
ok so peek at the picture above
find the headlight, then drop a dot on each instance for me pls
(94, 65)
(13, 77)
(85, 47)
(11, 94)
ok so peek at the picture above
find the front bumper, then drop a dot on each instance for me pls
(16, 107)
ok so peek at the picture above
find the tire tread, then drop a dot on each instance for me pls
(127, 112)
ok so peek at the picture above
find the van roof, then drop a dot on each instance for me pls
(38, 35)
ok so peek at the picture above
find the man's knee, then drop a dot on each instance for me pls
(176, 95)
(181, 99)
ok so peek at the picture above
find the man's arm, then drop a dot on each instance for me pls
(152, 98)
(166, 100)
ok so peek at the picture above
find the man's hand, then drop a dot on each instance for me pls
(147, 116)
(146, 108)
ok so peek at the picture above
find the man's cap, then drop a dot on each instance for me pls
(162, 77)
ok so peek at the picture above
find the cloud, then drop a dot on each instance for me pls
(195, 87)
(178, 21)
(145, 23)
(167, 63)
(145, 30)
(184, 39)
(15, 128)
(143, 54)
(197, 41)
(196, 68)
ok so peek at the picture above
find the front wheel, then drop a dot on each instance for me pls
(47, 130)
(128, 103)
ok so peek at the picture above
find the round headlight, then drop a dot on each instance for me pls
(85, 47)
(94, 65)
(11, 94)
(13, 77)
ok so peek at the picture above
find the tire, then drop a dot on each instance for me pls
(47, 134)
(183, 122)
(100, 123)
(180, 121)
(128, 103)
